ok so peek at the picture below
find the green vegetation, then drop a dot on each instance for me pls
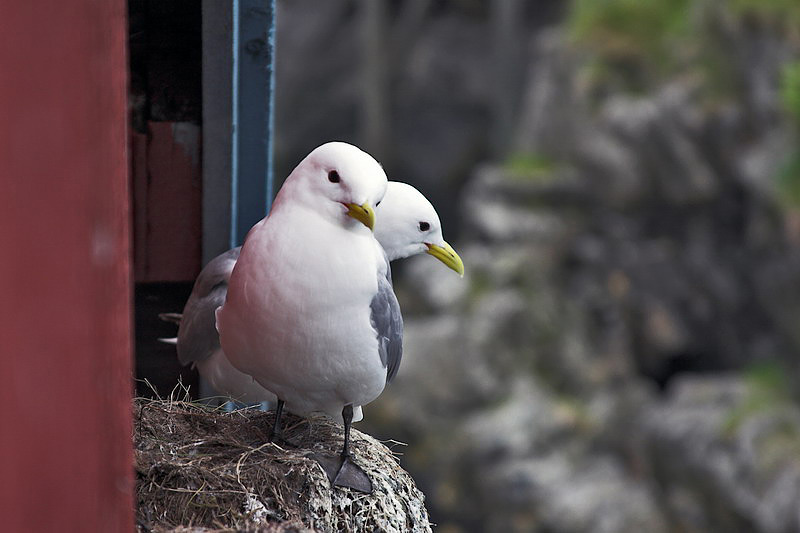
(642, 29)
(788, 179)
(783, 12)
(767, 388)
(788, 182)
(769, 392)
(637, 44)
(790, 89)
(530, 166)
(631, 43)
(768, 377)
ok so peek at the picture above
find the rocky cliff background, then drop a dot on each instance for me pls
(622, 180)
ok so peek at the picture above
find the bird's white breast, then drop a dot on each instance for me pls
(297, 314)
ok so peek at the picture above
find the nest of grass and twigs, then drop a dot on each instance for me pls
(201, 469)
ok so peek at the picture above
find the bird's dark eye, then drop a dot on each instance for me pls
(424, 226)
(333, 177)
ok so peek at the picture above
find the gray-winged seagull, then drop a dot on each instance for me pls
(299, 315)
(406, 224)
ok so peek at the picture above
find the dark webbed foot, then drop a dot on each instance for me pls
(352, 476)
(341, 470)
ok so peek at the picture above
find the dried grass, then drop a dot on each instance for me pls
(202, 469)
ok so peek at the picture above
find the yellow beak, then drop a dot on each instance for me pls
(448, 256)
(363, 213)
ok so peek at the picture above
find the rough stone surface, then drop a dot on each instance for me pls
(723, 459)
(543, 392)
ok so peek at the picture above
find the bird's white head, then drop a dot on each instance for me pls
(339, 181)
(407, 224)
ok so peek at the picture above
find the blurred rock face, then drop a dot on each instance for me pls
(439, 82)
(593, 370)
(725, 454)
(544, 392)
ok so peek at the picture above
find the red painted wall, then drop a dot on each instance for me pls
(167, 199)
(65, 342)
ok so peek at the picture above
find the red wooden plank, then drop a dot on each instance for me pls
(167, 196)
(139, 190)
(65, 343)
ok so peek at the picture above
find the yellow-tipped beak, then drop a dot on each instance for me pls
(448, 256)
(363, 213)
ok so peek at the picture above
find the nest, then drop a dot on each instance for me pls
(200, 469)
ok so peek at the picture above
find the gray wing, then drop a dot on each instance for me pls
(197, 334)
(388, 322)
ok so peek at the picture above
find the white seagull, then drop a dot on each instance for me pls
(406, 224)
(310, 312)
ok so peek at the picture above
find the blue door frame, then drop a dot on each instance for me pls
(253, 45)
(238, 105)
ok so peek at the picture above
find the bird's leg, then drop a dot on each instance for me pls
(350, 475)
(276, 435)
(277, 431)
(347, 417)
(341, 470)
